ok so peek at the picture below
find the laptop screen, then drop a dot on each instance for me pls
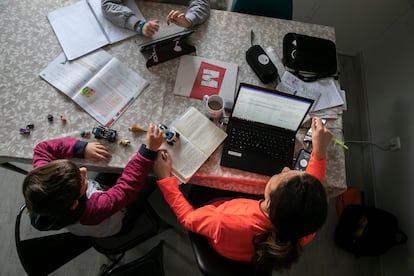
(270, 107)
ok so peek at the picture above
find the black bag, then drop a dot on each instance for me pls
(309, 58)
(368, 231)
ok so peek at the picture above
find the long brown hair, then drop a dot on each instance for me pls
(298, 208)
(53, 188)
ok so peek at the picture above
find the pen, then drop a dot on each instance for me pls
(339, 142)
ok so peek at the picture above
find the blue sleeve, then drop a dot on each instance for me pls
(79, 148)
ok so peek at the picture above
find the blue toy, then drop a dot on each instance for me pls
(105, 133)
(169, 135)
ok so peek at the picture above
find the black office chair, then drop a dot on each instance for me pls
(150, 264)
(43, 255)
(208, 260)
(146, 226)
(271, 8)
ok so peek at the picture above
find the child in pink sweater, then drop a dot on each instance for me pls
(58, 193)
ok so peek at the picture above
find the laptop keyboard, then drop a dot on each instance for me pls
(270, 142)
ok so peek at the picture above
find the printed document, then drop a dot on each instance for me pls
(329, 94)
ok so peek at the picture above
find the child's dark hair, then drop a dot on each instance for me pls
(297, 208)
(53, 188)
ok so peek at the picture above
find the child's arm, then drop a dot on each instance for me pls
(54, 149)
(61, 148)
(198, 11)
(103, 205)
(321, 138)
(121, 15)
(204, 220)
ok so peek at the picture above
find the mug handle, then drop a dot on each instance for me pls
(206, 97)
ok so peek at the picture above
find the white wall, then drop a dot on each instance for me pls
(382, 33)
(356, 22)
(389, 77)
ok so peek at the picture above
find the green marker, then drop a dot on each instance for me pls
(338, 142)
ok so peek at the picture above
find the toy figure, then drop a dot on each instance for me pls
(104, 132)
(136, 128)
(125, 142)
(63, 119)
(50, 118)
(169, 135)
(85, 133)
(24, 131)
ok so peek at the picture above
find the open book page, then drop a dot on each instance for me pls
(110, 92)
(199, 138)
(186, 158)
(200, 131)
(70, 76)
(77, 29)
(114, 33)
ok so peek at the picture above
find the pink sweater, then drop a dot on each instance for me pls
(231, 226)
(100, 205)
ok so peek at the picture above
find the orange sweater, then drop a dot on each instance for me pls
(231, 226)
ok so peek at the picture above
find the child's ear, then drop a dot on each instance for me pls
(74, 205)
(268, 205)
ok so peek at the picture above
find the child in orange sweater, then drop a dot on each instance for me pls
(271, 231)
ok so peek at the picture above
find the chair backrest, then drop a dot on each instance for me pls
(211, 263)
(145, 226)
(149, 264)
(43, 255)
(282, 9)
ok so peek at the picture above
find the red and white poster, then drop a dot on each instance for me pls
(199, 76)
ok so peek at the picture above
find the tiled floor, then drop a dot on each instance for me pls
(320, 258)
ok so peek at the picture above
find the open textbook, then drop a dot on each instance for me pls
(82, 28)
(99, 83)
(198, 76)
(199, 138)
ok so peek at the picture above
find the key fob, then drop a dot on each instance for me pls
(261, 64)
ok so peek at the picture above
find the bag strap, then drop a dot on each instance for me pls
(309, 77)
(400, 237)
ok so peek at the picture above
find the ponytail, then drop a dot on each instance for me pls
(297, 208)
(273, 253)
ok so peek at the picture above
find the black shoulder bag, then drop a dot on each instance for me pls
(309, 58)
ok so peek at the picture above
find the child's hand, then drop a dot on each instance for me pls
(179, 19)
(162, 165)
(321, 138)
(154, 137)
(97, 152)
(150, 28)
